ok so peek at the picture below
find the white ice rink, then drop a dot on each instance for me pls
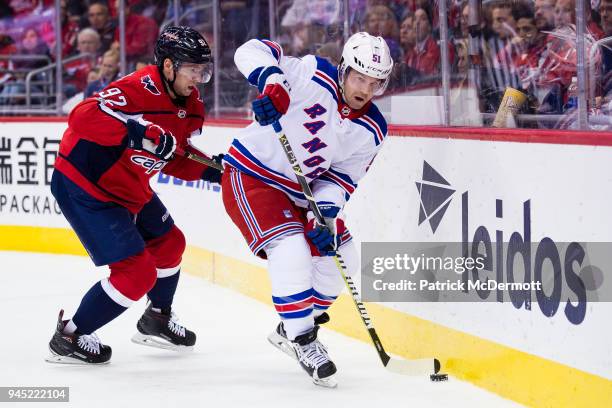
(232, 366)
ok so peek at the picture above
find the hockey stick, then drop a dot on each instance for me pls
(406, 367)
(199, 159)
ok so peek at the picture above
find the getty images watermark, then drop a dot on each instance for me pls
(546, 272)
(459, 265)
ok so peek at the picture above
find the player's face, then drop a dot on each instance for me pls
(188, 76)
(359, 89)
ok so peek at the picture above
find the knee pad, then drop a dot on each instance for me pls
(133, 277)
(289, 265)
(168, 249)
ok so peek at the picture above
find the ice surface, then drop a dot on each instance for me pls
(232, 366)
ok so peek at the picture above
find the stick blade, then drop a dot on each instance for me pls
(423, 366)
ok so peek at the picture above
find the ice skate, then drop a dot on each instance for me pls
(76, 348)
(161, 330)
(278, 338)
(313, 357)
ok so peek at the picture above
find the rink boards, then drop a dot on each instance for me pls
(500, 185)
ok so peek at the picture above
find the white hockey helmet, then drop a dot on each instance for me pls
(369, 55)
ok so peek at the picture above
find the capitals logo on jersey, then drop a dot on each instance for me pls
(148, 163)
(150, 85)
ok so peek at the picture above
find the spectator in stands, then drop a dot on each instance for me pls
(70, 29)
(463, 31)
(31, 45)
(503, 22)
(529, 46)
(140, 35)
(101, 21)
(76, 71)
(403, 75)
(425, 56)
(407, 34)
(381, 21)
(498, 51)
(559, 59)
(565, 13)
(565, 16)
(108, 70)
(522, 55)
(545, 14)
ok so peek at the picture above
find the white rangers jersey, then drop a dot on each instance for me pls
(334, 144)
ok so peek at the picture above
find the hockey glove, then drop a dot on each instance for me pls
(326, 238)
(150, 138)
(211, 174)
(274, 99)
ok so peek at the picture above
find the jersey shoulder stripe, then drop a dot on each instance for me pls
(327, 68)
(326, 75)
(274, 47)
(374, 122)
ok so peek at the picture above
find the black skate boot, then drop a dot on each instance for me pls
(313, 357)
(161, 330)
(322, 319)
(76, 348)
(278, 338)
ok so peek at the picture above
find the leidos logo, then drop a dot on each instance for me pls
(435, 196)
(511, 257)
(148, 163)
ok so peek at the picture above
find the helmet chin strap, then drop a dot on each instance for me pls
(169, 84)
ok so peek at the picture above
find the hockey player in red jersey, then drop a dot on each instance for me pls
(115, 142)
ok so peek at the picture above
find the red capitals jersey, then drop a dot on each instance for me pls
(93, 152)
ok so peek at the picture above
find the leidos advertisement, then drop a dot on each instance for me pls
(508, 241)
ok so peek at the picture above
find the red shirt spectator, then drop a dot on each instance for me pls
(76, 71)
(100, 20)
(425, 57)
(140, 36)
(70, 29)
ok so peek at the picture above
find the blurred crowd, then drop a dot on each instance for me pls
(528, 45)
(90, 43)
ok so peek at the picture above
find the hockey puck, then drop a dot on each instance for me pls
(438, 377)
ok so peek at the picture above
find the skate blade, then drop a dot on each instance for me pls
(67, 360)
(328, 382)
(158, 342)
(282, 344)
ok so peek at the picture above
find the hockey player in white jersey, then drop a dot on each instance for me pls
(336, 131)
